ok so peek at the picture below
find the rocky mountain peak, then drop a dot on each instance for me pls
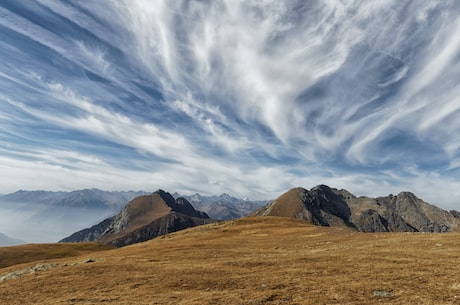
(327, 206)
(179, 205)
(143, 218)
(321, 188)
(167, 197)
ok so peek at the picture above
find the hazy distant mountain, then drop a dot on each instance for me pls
(327, 206)
(8, 241)
(51, 215)
(223, 207)
(143, 218)
(88, 198)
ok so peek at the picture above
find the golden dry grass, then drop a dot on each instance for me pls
(15, 255)
(262, 260)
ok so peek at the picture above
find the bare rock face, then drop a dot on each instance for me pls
(327, 206)
(371, 221)
(143, 218)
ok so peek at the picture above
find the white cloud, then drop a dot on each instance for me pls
(253, 96)
(95, 59)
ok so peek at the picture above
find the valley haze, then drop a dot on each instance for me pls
(248, 98)
(44, 216)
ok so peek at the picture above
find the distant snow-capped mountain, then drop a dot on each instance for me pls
(224, 206)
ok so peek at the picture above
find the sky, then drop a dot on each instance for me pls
(249, 98)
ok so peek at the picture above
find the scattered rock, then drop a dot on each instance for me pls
(382, 293)
(21, 272)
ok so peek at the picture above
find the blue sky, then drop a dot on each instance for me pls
(245, 97)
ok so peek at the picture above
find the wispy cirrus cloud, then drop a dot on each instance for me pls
(246, 97)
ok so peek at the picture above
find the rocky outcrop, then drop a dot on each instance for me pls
(16, 274)
(143, 218)
(327, 206)
(455, 213)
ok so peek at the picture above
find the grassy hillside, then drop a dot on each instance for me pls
(254, 261)
(15, 255)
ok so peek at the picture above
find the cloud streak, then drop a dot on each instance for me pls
(244, 97)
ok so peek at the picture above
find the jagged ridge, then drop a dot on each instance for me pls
(224, 206)
(327, 206)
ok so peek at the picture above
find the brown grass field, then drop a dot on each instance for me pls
(263, 260)
(15, 255)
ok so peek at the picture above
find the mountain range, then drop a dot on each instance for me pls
(87, 198)
(57, 214)
(51, 215)
(327, 206)
(159, 213)
(224, 206)
(220, 207)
